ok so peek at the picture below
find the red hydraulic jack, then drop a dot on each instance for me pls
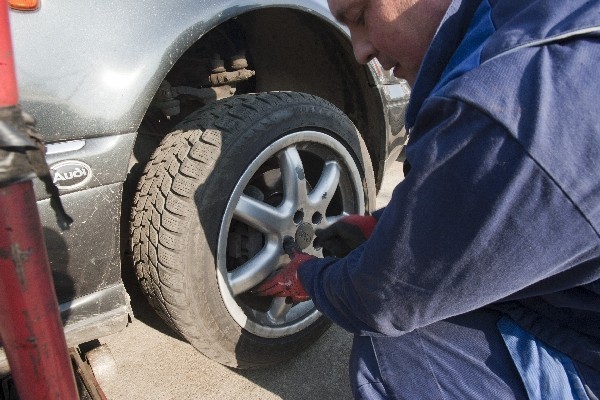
(30, 327)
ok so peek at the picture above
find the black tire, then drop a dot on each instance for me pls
(191, 233)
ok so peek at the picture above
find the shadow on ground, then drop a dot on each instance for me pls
(142, 310)
(321, 372)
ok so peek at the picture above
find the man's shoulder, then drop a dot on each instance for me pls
(520, 23)
(544, 98)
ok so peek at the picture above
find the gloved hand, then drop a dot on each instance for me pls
(345, 235)
(285, 282)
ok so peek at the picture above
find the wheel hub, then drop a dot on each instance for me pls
(304, 235)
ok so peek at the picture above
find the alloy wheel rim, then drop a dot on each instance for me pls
(318, 183)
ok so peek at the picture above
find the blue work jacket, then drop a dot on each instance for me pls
(501, 207)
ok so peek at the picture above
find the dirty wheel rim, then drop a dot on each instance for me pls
(307, 180)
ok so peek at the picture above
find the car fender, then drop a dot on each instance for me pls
(103, 70)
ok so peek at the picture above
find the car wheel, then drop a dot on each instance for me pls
(216, 201)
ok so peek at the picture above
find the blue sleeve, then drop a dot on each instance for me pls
(475, 221)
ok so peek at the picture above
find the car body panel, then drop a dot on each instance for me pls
(74, 93)
(89, 317)
(86, 257)
(395, 102)
(107, 158)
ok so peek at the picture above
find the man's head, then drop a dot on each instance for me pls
(396, 32)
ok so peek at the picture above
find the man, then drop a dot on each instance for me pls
(481, 278)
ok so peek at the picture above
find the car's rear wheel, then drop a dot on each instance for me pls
(215, 203)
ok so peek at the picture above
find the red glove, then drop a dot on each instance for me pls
(346, 234)
(285, 282)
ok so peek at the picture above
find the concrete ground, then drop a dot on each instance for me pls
(153, 363)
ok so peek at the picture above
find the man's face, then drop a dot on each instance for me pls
(396, 32)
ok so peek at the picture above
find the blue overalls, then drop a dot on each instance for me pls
(482, 277)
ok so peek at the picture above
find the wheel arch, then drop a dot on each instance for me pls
(282, 46)
(293, 48)
(315, 56)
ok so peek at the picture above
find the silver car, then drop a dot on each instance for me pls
(188, 139)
